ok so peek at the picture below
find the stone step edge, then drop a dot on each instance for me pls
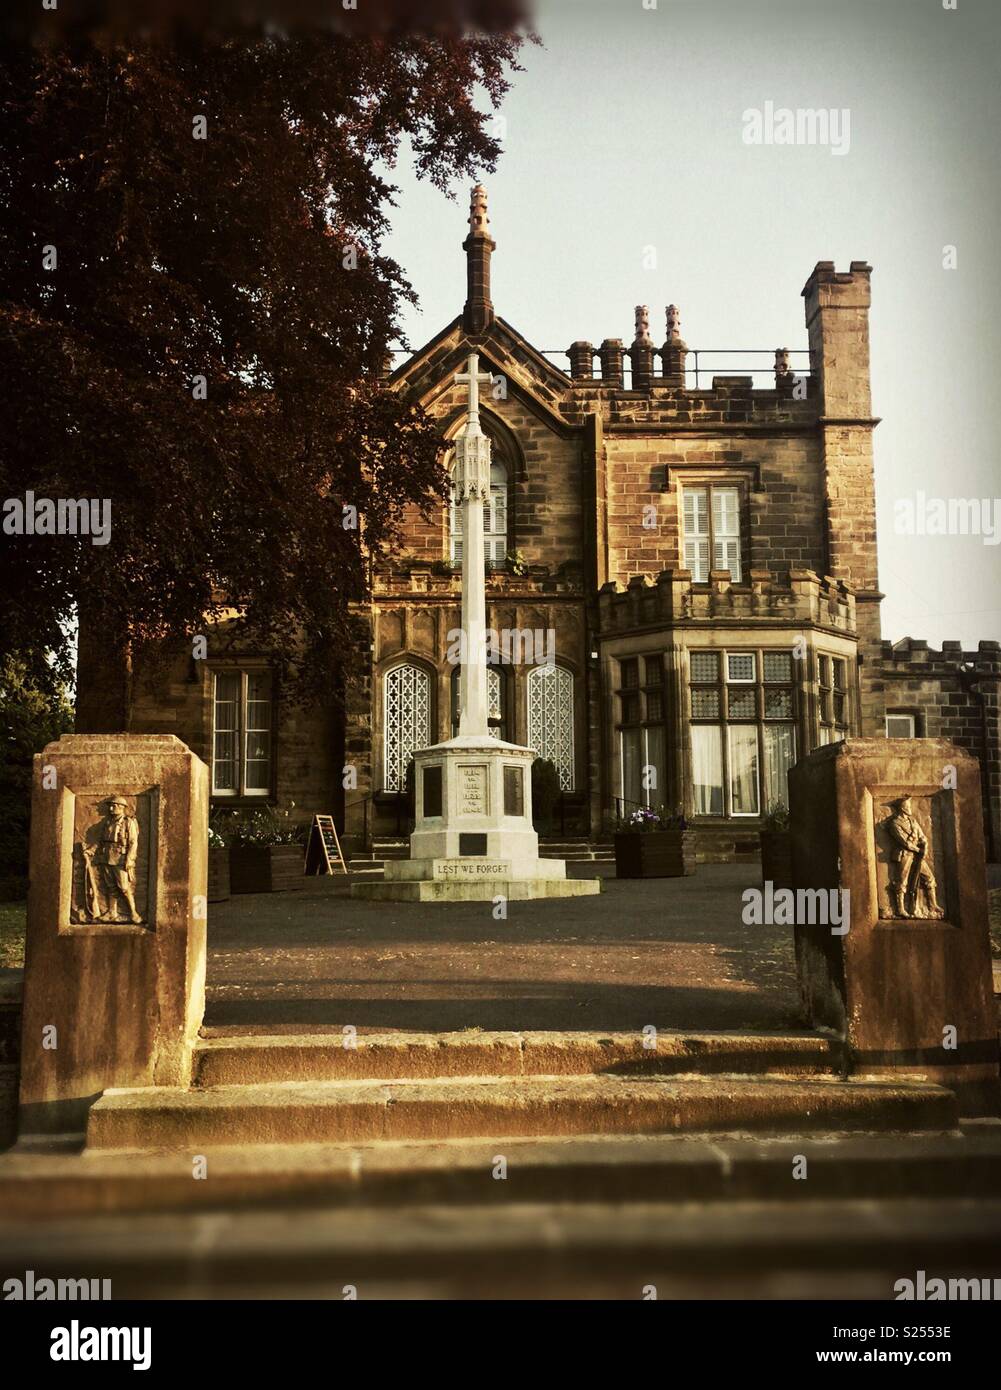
(516, 1053)
(457, 1107)
(366, 1244)
(707, 1167)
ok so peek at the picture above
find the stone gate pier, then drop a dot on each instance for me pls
(894, 826)
(114, 980)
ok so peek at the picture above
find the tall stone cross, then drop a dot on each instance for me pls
(471, 480)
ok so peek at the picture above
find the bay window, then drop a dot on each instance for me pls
(642, 742)
(833, 685)
(743, 735)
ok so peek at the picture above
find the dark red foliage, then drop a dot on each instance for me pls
(227, 258)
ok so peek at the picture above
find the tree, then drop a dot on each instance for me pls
(29, 719)
(194, 319)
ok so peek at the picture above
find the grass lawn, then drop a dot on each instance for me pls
(12, 919)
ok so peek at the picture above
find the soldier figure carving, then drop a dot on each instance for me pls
(912, 886)
(110, 866)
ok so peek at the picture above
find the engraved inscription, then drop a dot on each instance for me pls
(472, 789)
(514, 791)
(458, 868)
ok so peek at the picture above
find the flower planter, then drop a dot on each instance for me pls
(776, 858)
(218, 890)
(265, 868)
(655, 854)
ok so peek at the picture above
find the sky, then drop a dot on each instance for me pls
(625, 132)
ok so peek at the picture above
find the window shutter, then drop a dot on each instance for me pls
(696, 529)
(456, 537)
(726, 531)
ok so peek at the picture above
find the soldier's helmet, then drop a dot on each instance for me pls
(117, 801)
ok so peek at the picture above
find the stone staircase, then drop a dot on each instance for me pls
(427, 1157)
(398, 1096)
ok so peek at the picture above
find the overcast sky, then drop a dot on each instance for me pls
(625, 131)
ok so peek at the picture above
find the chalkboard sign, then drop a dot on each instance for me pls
(324, 849)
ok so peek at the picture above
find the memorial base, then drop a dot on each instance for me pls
(470, 890)
(474, 840)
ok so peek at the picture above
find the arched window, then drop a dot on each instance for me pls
(496, 708)
(494, 521)
(550, 719)
(406, 702)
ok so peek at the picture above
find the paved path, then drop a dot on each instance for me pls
(668, 952)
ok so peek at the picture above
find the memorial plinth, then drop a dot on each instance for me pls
(474, 839)
(897, 826)
(114, 981)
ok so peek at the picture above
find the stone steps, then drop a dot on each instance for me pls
(256, 1059)
(611, 1168)
(527, 1250)
(487, 1106)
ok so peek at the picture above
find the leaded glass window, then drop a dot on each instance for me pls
(407, 721)
(550, 719)
(745, 742)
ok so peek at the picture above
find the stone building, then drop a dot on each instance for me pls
(683, 584)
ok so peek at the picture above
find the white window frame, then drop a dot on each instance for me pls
(243, 732)
(902, 715)
(710, 530)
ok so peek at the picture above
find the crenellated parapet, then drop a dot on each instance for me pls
(435, 579)
(800, 599)
(913, 655)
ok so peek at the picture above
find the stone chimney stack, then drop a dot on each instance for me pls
(641, 352)
(479, 245)
(581, 356)
(675, 349)
(610, 354)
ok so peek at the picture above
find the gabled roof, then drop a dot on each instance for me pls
(530, 376)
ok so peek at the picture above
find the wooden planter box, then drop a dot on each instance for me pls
(218, 875)
(265, 868)
(776, 858)
(655, 854)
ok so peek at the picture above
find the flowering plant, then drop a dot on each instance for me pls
(216, 841)
(265, 826)
(645, 819)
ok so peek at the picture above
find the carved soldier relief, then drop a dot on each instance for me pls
(111, 861)
(911, 889)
